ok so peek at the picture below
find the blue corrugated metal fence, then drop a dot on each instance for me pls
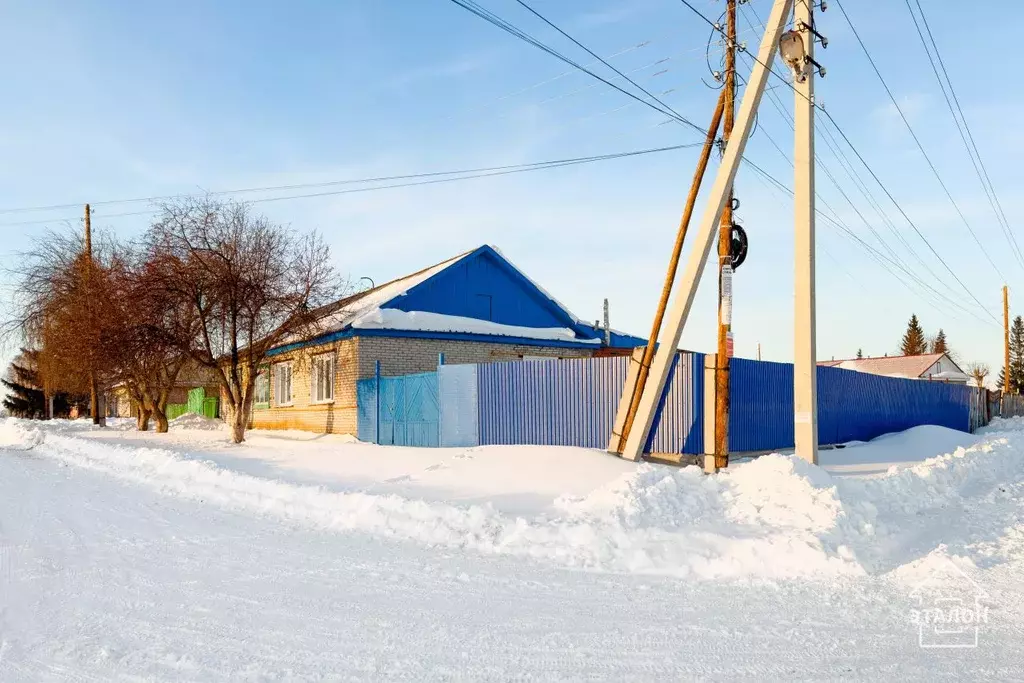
(852, 406)
(572, 403)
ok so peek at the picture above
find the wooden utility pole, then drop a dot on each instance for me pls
(721, 448)
(805, 367)
(94, 393)
(1006, 340)
(717, 199)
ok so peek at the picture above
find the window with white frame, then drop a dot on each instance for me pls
(262, 393)
(283, 384)
(322, 380)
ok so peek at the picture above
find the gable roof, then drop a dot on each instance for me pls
(903, 366)
(426, 303)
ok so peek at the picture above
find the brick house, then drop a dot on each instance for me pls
(474, 308)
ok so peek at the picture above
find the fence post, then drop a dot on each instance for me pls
(376, 401)
(710, 393)
(440, 359)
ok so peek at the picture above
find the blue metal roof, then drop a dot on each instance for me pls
(482, 285)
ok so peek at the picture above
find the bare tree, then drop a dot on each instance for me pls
(249, 284)
(61, 310)
(146, 358)
(978, 371)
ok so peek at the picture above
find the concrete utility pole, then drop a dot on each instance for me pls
(718, 197)
(725, 272)
(1006, 340)
(805, 382)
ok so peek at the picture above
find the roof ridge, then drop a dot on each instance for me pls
(916, 355)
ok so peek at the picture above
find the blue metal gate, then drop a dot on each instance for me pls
(399, 411)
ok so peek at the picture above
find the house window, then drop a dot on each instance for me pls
(322, 380)
(262, 397)
(283, 384)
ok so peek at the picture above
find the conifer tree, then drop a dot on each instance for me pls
(860, 353)
(25, 397)
(913, 343)
(939, 344)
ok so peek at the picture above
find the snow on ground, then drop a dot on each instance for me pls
(298, 557)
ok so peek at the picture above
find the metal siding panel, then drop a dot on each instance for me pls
(459, 405)
(558, 402)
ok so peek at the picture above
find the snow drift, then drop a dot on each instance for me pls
(774, 517)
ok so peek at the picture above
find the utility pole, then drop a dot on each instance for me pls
(640, 368)
(717, 198)
(94, 393)
(1006, 340)
(725, 271)
(805, 382)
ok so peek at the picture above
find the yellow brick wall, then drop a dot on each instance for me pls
(338, 417)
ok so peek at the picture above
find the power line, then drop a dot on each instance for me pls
(491, 18)
(917, 141)
(905, 216)
(425, 179)
(855, 176)
(594, 54)
(965, 130)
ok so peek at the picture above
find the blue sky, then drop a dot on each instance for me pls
(118, 100)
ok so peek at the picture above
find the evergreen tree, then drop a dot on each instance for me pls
(939, 344)
(24, 395)
(1017, 355)
(914, 343)
(860, 353)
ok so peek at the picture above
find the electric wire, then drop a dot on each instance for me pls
(423, 179)
(963, 128)
(917, 141)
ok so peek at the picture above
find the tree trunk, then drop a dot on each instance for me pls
(161, 420)
(142, 420)
(239, 421)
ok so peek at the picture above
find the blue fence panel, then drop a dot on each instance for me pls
(852, 406)
(366, 410)
(573, 402)
(760, 405)
(680, 427)
(422, 415)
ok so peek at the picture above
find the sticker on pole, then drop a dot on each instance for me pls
(728, 344)
(725, 312)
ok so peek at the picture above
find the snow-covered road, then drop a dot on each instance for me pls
(119, 562)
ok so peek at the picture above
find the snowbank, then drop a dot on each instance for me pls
(18, 435)
(774, 517)
(194, 421)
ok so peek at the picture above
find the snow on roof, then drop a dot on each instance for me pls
(895, 366)
(425, 321)
(348, 311)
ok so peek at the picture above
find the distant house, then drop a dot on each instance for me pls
(197, 390)
(936, 367)
(473, 308)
